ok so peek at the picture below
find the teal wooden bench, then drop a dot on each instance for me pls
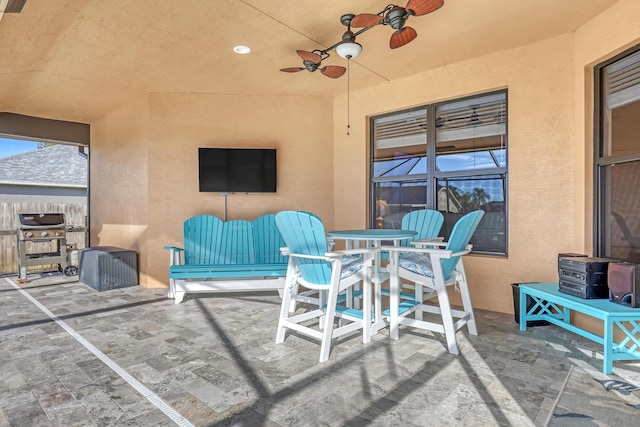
(227, 256)
(555, 307)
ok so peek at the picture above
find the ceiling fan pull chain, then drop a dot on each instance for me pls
(348, 95)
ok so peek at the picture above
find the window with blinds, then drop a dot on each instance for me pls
(620, 108)
(449, 156)
(617, 163)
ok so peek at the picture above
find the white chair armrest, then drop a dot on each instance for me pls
(439, 253)
(436, 241)
(330, 242)
(358, 251)
(294, 255)
(367, 253)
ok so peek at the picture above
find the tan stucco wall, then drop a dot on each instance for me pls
(118, 181)
(550, 147)
(161, 155)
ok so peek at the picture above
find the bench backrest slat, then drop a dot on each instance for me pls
(267, 241)
(198, 238)
(236, 243)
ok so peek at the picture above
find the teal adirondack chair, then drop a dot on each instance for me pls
(426, 222)
(313, 266)
(432, 268)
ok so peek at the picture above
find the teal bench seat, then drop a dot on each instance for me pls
(227, 256)
(227, 271)
(555, 307)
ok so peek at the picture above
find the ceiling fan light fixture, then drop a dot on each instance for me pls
(348, 50)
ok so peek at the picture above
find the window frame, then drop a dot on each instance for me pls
(433, 175)
(601, 160)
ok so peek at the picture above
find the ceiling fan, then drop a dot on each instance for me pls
(312, 61)
(396, 17)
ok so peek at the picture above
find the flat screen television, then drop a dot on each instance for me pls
(237, 170)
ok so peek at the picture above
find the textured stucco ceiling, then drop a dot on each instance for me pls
(79, 59)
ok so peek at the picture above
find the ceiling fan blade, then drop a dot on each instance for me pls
(366, 20)
(309, 56)
(422, 7)
(402, 37)
(292, 69)
(333, 71)
(14, 6)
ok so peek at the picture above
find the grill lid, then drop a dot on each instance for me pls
(41, 220)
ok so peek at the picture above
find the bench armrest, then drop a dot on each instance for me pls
(175, 255)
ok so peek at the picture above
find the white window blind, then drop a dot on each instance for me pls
(473, 118)
(401, 130)
(622, 82)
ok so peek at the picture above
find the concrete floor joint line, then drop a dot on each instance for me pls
(137, 385)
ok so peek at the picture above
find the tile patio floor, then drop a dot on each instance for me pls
(212, 361)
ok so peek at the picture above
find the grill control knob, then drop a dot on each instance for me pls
(44, 234)
(28, 234)
(58, 233)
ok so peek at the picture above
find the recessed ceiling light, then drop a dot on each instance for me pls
(242, 50)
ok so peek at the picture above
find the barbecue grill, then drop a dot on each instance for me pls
(42, 228)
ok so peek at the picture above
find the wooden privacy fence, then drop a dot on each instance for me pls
(75, 214)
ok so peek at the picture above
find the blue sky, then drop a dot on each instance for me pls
(9, 147)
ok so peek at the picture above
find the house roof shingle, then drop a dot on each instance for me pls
(59, 164)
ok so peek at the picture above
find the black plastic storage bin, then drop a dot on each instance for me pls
(530, 303)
